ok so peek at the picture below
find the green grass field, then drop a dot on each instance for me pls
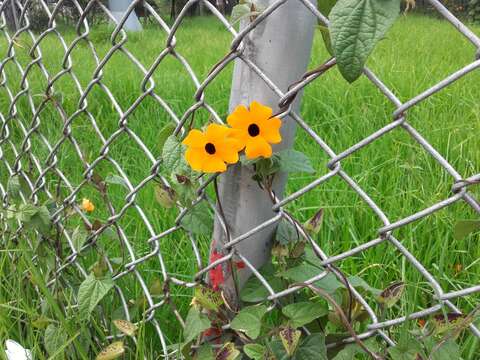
(395, 171)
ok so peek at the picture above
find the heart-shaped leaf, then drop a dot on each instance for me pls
(249, 320)
(290, 338)
(356, 26)
(302, 313)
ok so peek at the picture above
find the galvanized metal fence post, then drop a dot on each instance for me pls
(280, 47)
(118, 8)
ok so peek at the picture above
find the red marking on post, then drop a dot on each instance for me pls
(240, 265)
(216, 273)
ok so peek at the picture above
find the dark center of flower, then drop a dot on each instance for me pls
(253, 130)
(210, 148)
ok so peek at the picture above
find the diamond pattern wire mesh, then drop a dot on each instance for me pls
(37, 131)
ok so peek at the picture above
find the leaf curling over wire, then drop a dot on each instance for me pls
(125, 327)
(112, 351)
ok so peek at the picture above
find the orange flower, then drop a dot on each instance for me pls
(209, 151)
(87, 205)
(256, 129)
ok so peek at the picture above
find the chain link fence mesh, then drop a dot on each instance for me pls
(43, 140)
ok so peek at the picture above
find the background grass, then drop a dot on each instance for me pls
(394, 170)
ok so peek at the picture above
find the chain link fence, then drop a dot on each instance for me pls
(41, 143)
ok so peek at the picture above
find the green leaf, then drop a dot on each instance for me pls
(172, 153)
(304, 272)
(464, 228)
(348, 352)
(286, 233)
(205, 352)
(294, 161)
(79, 237)
(407, 349)
(195, 324)
(54, 339)
(164, 195)
(263, 167)
(41, 322)
(14, 187)
(358, 282)
(249, 320)
(255, 351)
(198, 220)
(156, 288)
(312, 348)
(330, 282)
(164, 133)
(99, 267)
(91, 292)
(185, 192)
(325, 6)
(116, 180)
(326, 38)
(239, 12)
(449, 350)
(110, 234)
(302, 313)
(254, 291)
(356, 26)
(35, 217)
(276, 347)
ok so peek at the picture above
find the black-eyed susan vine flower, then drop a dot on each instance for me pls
(87, 205)
(256, 129)
(211, 150)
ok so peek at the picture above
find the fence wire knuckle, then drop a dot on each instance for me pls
(29, 151)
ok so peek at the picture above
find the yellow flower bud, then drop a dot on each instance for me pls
(87, 205)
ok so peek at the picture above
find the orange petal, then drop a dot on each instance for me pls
(237, 138)
(195, 158)
(257, 147)
(214, 164)
(216, 132)
(271, 130)
(229, 152)
(195, 138)
(259, 111)
(239, 118)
